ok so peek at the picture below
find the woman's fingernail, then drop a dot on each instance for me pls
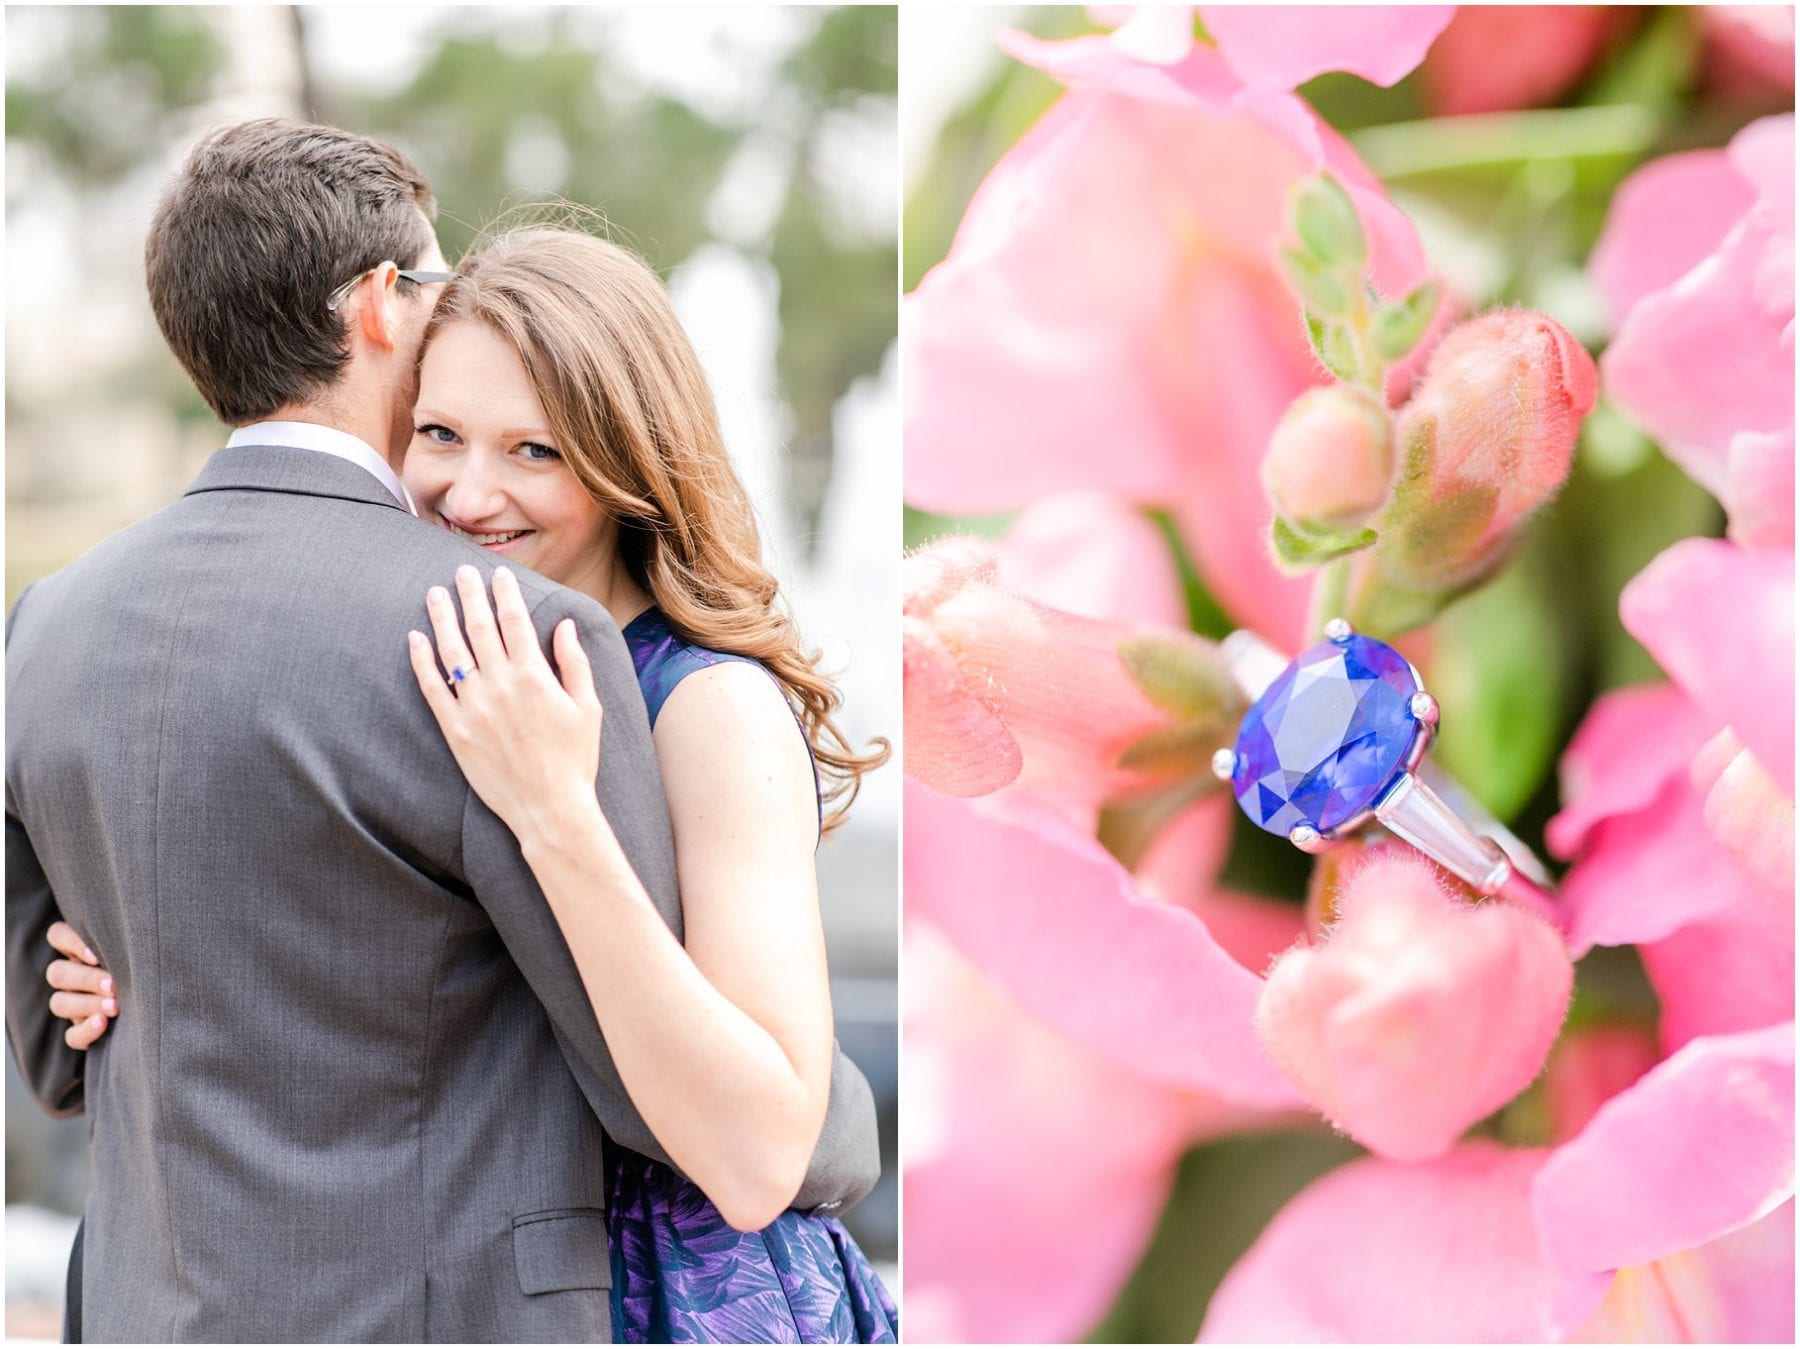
(415, 638)
(437, 595)
(96, 1021)
(106, 983)
(89, 956)
(502, 571)
(110, 1006)
(467, 573)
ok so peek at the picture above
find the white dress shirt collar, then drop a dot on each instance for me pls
(326, 440)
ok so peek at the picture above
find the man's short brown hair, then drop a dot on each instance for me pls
(265, 220)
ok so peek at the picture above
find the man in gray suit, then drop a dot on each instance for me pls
(358, 1093)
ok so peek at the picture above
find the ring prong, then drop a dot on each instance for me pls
(1339, 630)
(1307, 839)
(1224, 764)
(1425, 708)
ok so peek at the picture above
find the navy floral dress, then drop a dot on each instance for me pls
(681, 1273)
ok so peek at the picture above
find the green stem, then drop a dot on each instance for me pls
(1446, 144)
(1331, 594)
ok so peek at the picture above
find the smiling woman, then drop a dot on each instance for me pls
(595, 445)
(489, 469)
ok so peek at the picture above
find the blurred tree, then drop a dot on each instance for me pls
(545, 114)
(119, 78)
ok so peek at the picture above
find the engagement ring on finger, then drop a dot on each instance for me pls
(1335, 741)
(457, 675)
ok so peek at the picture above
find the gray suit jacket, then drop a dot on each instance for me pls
(357, 1091)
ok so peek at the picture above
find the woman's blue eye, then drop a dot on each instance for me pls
(539, 453)
(430, 431)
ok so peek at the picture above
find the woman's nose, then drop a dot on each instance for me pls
(475, 492)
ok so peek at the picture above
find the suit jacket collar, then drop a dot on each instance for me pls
(285, 468)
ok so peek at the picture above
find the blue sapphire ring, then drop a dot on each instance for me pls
(1334, 744)
(457, 675)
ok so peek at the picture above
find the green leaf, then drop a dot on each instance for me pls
(1504, 702)
(1386, 610)
(1397, 328)
(1331, 343)
(1224, 1196)
(1318, 288)
(1127, 828)
(1184, 750)
(1326, 223)
(1300, 548)
(1181, 675)
(1205, 616)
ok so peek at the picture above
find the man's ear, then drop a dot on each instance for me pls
(378, 316)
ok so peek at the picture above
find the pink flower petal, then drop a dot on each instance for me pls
(1646, 875)
(1730, 972)
(1712, 355)
(1011, 1129)
(999, 687)
(1663, 222)
(1736, 1290)
(1589, 1067)
(1157, 368)
(1497, 57)
(1420, 1014)
(1282, 46)
(1746, 812)
(1159, 34)
(953, 739)
(1095, 556)
(1253, 929)
(1379, 1251)
(1750, 48)
(1764, 153)
(1633, 743)
(1183, 860)
(1720, 620)
(1759, 489)
(1700, 1146)
(1056, 922)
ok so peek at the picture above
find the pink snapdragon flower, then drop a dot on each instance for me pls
(1694, 860)
(1667, 1215)
(1156, 368)
(1492, 58)
(1330, 461)
(1487, 438)
(1419, 1013)
(999, 689)
(1011, 1129)
(1697, 266)
(1282, 47)
(1716, 938)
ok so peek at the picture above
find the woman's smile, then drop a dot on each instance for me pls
(494, 540)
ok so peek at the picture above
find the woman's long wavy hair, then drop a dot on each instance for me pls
(634, 420)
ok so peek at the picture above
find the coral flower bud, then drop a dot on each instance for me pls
(1419, 1013)
(1487, 438)
(1330, 461)
(999, 687)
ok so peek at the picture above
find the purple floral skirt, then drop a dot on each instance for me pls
(683, 1275)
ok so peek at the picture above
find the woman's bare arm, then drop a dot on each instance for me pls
(725, 1046)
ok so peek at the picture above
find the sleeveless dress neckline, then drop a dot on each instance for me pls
(681, 1273)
